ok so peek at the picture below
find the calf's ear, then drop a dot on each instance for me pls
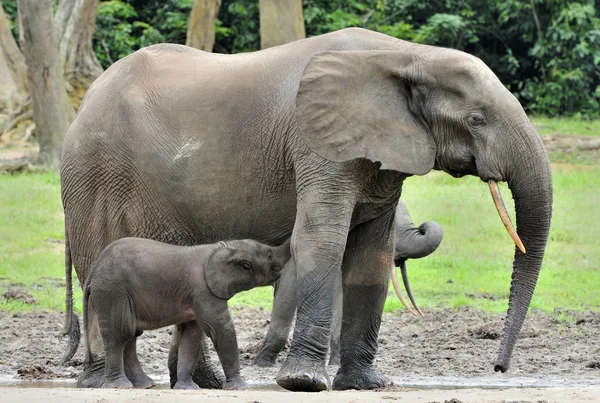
(225, 273)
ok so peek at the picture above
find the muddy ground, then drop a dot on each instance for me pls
(448, 348)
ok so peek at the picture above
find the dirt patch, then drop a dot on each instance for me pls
(19, 294)
(448, 343)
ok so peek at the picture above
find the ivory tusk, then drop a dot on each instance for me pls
(407, 287)
(499, 203)
(399, 294)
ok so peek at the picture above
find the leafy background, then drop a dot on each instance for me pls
(547, 52)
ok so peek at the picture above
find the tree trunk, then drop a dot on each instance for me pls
(51, 106)
(281, 21)
(201, 24)
(13, 73)
(75, 21)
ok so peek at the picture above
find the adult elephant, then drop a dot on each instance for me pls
(411, 243)
(311, 139)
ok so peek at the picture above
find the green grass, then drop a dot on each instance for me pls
(566, 126)
(31, 224)
(476, 252)
(471, 267)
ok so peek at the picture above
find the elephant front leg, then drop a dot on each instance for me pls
(205, 373)
(192, 337)
(318, 244)
(222, 333)
(366, 271)
(282, 317)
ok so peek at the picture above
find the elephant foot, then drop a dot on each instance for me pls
(92, 376)
(142, 381)
(265, 359)
(235, 384)
(186, 384)
(119, 383)
(207, 376)
(359, 379)
(302, 375)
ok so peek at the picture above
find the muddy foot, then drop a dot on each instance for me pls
(119, 383)
(359, 379)
(300, 375)
(92, 376)
(208, 376)
(188, 384)
(265, 359)
(142, 381)
(235, 384)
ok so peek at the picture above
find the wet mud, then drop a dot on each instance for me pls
(448, 348)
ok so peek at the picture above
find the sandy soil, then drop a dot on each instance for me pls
(426, 358)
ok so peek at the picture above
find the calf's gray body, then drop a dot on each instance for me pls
(139, 284)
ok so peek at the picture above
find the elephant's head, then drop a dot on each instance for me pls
(420, 108)
(241, 265)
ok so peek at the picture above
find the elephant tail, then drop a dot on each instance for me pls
(71, 326)
(89, 360)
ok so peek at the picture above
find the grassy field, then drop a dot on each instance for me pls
(566, 126)
(471, 267)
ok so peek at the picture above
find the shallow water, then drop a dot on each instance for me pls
(430, 382)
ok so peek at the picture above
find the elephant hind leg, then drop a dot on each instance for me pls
(133, 368)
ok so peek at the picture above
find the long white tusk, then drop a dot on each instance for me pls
(407, 288)
(399, 294)
(499, 203)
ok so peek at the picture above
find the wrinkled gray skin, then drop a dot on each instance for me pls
(411, 243)
(139, 284)
(311, 139)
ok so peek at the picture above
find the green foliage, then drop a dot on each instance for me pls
(119, 32)
(567, 55)
(547, 52)
(237, 27)
(10, 8)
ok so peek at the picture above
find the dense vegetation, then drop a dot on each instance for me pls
(546, 51)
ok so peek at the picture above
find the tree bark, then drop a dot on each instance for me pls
(13, 73)
(51, 106)
(281, 21)
(75, 21)
(201, 24)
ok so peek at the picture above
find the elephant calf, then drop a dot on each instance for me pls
(140, 284)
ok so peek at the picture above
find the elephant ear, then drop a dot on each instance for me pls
(226, 273)
(366, 104)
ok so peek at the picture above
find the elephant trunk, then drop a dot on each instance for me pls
(530, 181)
(413, 242)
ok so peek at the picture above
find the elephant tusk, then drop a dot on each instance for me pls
(495, 191)
(399, 294)
(407, 287)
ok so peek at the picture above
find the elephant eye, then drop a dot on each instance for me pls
(269, 255)
(246, 265)
(476, 120)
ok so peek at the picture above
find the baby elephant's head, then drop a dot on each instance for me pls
(241, 265)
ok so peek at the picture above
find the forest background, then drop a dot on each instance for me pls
(547, 52)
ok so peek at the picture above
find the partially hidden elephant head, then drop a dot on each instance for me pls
(420, 108)
(241, 265)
